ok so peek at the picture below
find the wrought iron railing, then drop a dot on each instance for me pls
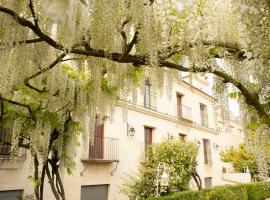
(150, 101)
(184, 112)
(5, 145)
(5, 150)
(204, 120)
(103, 148)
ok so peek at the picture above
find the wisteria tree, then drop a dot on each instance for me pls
(63, 61)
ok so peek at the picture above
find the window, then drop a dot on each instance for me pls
(208, 182)
(204, 116)
(240, 132)
(11, 194)
(207, 151)
(179, 105)
(147, 94)
(148, 137)
(231, 129)
(182, 137)
(5, 143)
(220, 126)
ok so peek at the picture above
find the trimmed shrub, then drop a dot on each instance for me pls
(236, 192)
(258, 191)
(186, 195)
(250, 191)
(180, 160)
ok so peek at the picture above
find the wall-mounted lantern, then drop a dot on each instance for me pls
(130, 130)
(215, 145)
(198, 142)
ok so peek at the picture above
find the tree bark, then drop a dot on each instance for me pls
(36, 177)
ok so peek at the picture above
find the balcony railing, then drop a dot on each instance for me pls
(184, 112)
(150, 101)
(237, 177)
(5, 150)
(103, 149)
(204, 120)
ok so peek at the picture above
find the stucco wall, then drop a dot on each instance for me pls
(164, 122)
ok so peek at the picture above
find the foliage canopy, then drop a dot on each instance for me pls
(65, 61)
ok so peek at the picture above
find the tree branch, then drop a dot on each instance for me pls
(132, 42)
(31, 6)
(51, 182)
(124, 36)
(30, 41)
(251, 99)
(16, 103)
(36, 163)
(54, 63)
(26, 23)
(2, 110)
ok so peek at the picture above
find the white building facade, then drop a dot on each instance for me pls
(119, 145)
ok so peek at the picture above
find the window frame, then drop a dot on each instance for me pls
(207, 152)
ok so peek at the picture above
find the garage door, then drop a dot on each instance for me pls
(94, 192)
(11, 195)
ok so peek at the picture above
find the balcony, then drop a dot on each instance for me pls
(204, 120)
(102, 149)
(5, 150)
(184, 112)
(236, 177)
(150, 101)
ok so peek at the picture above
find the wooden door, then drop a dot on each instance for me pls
(96, 150)
(147, 138)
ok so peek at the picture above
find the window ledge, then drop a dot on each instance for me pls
(88, 160)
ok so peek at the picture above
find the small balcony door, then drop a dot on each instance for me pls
(96, 148)
(179, 105)
(204, 116)
(147, 94)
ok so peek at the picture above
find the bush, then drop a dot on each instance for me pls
(235, 192)
(250, 191)
(258, 191)
(180, 160)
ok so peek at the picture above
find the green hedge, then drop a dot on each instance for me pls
(249, 191)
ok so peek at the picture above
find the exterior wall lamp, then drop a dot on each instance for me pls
(163, 181)
(130, 130)
(198, 142)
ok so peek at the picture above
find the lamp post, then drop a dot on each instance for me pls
(164, 180)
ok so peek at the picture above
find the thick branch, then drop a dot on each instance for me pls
(2, 110)
(30, 41)
(124, 36)
(132, 42)
(42, 178)
(51, 182)
(36, 163)
(16, 103)
(250, 98)
(60, 183)
(32, 9)
(26, 23)
(54, 63)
